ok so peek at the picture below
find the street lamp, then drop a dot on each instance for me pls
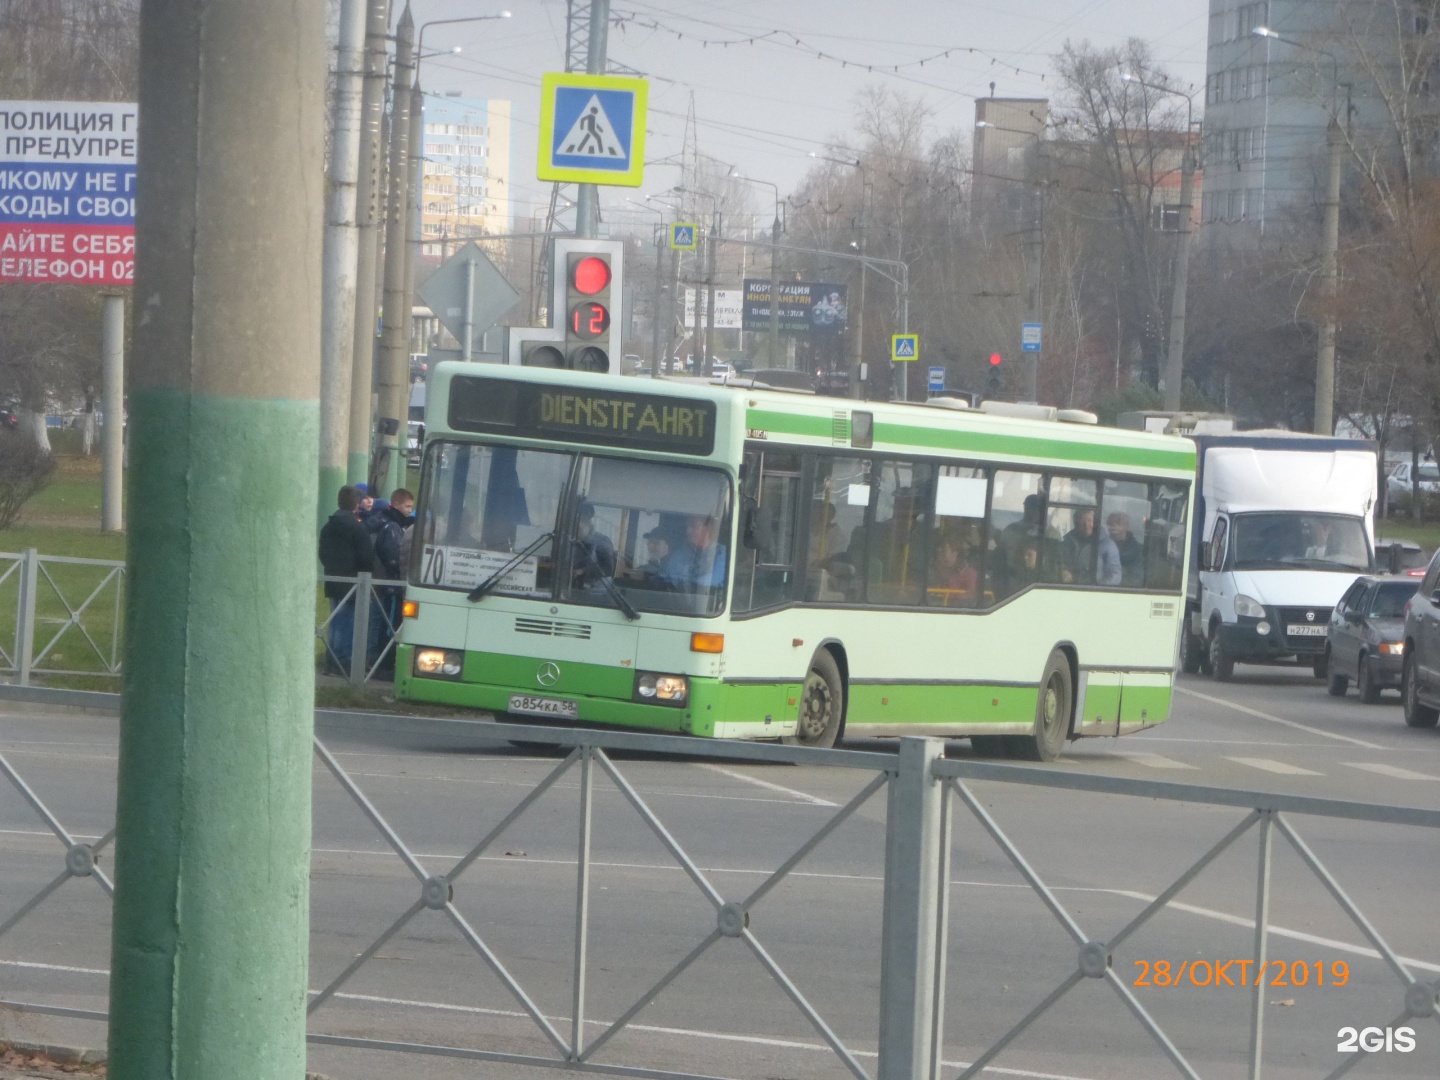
(774, 321)
(1324, 423)
(1175, 359)
(857, 340)
(1035, 279)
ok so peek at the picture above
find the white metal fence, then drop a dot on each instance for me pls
(917, 961)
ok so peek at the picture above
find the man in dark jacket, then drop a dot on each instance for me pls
(345, 551)
(390, 529)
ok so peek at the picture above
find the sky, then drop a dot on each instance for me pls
(773, 81)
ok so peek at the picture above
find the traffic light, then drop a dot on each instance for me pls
(589, 278)
(585, 317)
(995, 377)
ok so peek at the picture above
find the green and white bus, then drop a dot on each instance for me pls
(754, 564)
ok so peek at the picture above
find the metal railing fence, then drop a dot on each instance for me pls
(77, 605)
(923, 791)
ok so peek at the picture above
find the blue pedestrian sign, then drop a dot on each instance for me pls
(592, 129)
(937, 380)
(904, 347)
(684, 236)
(1030, 337)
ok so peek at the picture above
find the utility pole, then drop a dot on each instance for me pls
(1034, 298)
(587, 205)
(702, 244)
(655, 310)
(338, 285)
(389, 468)
(711, 248)
(674, 324)
(210, 944)
(775, 290)
(367, 231)
(1329, 246)
(1175, 361)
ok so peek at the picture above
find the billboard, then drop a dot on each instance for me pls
(728, 306)
(811, 308)
(67, 192)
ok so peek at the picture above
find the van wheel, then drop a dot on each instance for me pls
(1416, 714)
(1321, 665)
(989, 746)
(822, 705)
(1222, 664)
(1192, 651)
(1053, 712)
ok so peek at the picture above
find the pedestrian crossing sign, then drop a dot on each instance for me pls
(904, 347)
(684, 236)
(592, 129)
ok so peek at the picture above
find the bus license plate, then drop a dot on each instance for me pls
(1305, 630)
(543, 706)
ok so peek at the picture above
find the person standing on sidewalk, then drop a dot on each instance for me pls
(390, 528)
(345, 551)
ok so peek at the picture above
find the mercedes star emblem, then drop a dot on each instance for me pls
(549, 673)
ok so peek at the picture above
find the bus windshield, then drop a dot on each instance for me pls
(608, 532)
(1300, 540)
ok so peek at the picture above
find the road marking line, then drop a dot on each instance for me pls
(802, 796)
(1153, 761)
(1276, 719)
(1390, 770)
(1274, 766)
(653, 793)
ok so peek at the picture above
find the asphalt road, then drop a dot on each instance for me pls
(1103, 856)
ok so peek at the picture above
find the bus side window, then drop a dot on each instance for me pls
(1165, 537)
(835, 503)
(896, 538)
(1017, 534)
(765, 568)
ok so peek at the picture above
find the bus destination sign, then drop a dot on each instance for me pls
(576, 414)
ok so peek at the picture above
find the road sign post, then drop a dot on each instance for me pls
(936, 382)
(592, 129)
(1030, 335)
(904, 348)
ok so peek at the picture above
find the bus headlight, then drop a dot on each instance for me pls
(662, 689)
(439, 663)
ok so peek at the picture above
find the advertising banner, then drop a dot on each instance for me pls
(810, 308)
(728, 305)
(67, 192)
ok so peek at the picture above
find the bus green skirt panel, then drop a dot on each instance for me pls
(746, 564)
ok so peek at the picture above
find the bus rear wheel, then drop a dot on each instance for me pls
(1052, 714)
(822, 705)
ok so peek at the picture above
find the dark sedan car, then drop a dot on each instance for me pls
(1365, 639)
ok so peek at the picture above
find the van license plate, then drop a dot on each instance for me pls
(1305, 630)
(543, 706)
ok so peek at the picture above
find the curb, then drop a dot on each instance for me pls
(75, 1055)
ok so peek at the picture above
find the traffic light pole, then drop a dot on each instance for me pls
(587, 202)
(655, 310)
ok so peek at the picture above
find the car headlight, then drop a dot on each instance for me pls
(1248, 607)
(439, 663)
(1392, 648)
(661, 689)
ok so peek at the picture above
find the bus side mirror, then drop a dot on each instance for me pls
(1205, 555)
(747, 525)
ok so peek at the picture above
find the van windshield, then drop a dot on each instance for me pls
(1300, 541)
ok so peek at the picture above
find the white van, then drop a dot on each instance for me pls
(1285, 528)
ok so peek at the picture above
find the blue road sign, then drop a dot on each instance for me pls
(682, 236)
(592, 129)
(1030, 337)
(937, 380)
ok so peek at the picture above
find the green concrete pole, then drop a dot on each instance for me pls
(211, 914)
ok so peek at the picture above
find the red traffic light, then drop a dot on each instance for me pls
(994, 359)
(589, 319)
(590, 275)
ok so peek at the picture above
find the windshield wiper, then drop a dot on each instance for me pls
(485, 587)
(607, 582)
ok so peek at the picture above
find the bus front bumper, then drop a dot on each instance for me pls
(714, 708)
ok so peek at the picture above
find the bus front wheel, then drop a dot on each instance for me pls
(1052, 713)
(822, 705)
